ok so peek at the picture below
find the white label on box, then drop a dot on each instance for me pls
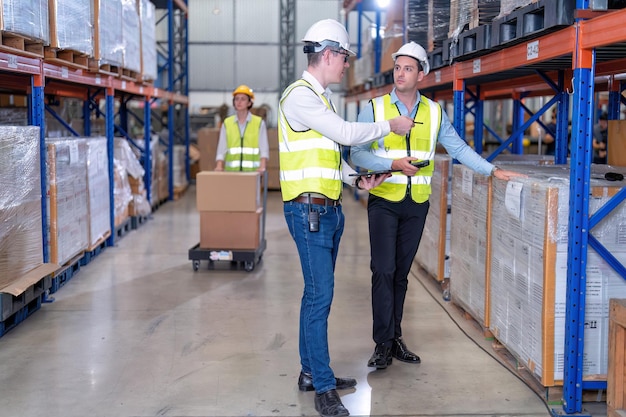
(467, 182)
(437, 76)
(73, 153)
(513, 199)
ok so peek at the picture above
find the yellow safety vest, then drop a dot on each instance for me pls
(242, 153)
(421, 145)
(309, 162)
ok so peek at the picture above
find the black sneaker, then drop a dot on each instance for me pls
(328, 404)
(305, 382)
(381, 358)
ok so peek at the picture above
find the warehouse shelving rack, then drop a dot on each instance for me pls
(569, 63)
(25, 73)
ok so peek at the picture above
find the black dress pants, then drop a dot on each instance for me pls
(395, 232)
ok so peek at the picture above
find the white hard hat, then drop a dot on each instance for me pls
(327, 33)
(414, 51)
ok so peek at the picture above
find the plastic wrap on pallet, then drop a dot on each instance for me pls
(529, 270)
(110, 43)
(127, 157)
(149, 68)
(468, 241)
(98, 189)
(434, 249)
(28, 18)
(131, 36)
(68, 219)
(507, 6)
(468, 14)
(72, 25)
(140, 205)
(417, 22)
(439, 11)
(179, 168)
(122, 194)
(21, 237)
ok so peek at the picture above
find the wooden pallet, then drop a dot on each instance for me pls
(21, 45)
(67, 57)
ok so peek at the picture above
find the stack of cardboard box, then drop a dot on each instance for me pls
(230, 206)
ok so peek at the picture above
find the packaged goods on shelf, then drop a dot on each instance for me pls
(21, 237)
(163, 190)
(434, 249)
(131, 36)
(417, 22)
(616, 146)
(67, 198)
(99, 207)
(132, 168)
(469, 14)
(507, 6)
(179, 169)
(108, 33)
(71, 25)
(28, 18)
(149, 69)
(528, 280)
(122, 194)
(469, 231)
(438, 23)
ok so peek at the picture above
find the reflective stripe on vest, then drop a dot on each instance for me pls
(309, 162)
(242, 153)
(422, 145)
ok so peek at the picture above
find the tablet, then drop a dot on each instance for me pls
(371, 173)
(417, 164)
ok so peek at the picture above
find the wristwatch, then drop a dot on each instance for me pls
(494, 169)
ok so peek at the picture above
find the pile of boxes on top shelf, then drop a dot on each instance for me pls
(458, 30)
(117, 37)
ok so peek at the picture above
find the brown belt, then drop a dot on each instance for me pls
(317, 200)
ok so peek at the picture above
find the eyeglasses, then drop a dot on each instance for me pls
(345, 55)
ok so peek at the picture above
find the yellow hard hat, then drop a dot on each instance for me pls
(244, 89)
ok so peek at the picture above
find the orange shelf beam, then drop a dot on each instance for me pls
(554, 45)
(603, 30)
(21, 64)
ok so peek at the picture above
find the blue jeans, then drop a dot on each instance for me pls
(318, 254)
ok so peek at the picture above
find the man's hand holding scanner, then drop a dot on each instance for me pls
(406, 165)
(401, 125)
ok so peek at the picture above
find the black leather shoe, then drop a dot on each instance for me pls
(305, 382)
(328, 404)
(381, 357)
(401, 353)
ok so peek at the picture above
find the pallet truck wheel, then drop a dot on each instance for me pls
(196, 265)
(248, 266)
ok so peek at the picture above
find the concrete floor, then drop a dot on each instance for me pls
(137, 332)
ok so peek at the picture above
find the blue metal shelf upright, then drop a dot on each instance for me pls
(174, 77)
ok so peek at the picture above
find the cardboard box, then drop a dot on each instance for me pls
(230, 230)
(207, 146)
(228, 191)
(617, 143)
